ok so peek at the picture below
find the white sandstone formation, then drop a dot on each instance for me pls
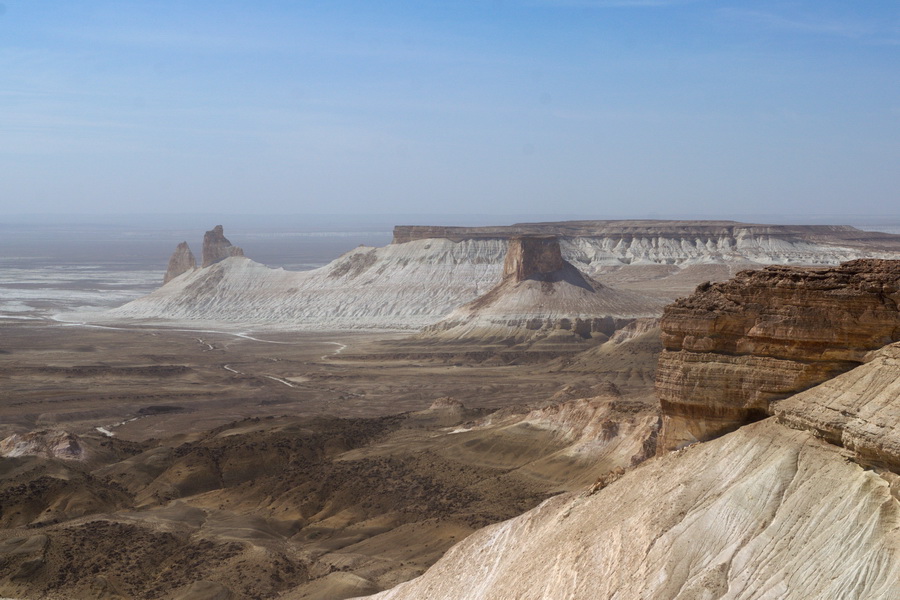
(400, 286)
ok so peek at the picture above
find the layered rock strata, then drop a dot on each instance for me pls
(181, 262)
(419, 280)
(645, 235)
(542, 297)
(732, 348)
(532, 257)
(859, 410)
(216, 247)
(764, 512)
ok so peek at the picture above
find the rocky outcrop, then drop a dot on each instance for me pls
(764, 512)
(542, 298)
(858, 410)
(182, 261)
(537, 257)
(48, 444)
(216, 247)
(732, 348)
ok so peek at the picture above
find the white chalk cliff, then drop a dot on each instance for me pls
(418, 279)
(541, 296)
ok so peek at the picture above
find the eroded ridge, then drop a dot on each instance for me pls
(732, 348)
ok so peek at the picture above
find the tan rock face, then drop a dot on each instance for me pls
(530, 256)
(182, 261)
(858, 410)
(216, 247)
(732, 348)
(763, 513)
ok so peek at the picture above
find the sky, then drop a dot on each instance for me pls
(595, 108)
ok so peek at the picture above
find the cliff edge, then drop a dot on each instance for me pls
(732, 348)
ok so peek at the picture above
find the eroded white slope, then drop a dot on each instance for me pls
(742, 245)
(565, 302)
(403, 286)
(859, 409)
(410, 285)
(763, 513)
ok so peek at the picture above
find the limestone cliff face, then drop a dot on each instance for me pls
(182, 261)
(733, 347)
(216, 247)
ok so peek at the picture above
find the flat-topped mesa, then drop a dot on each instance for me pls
(216, 247)
(732, 348)
(530, 257)
(182, 261)
(723, 235)
(544, 301)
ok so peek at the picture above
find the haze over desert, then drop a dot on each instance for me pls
(250, 445)
(507, 300)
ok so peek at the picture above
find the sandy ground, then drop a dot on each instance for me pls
(283, 465)
(80, 378)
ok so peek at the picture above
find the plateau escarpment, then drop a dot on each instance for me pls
(430, 271)
(732, 348)
(542, 298)
(800, 505)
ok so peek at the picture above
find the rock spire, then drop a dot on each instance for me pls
(216, 247)
(532, 256)
(182, 261)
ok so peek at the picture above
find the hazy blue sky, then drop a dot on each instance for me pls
(605, 108)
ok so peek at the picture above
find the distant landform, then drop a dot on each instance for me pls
(426, 273)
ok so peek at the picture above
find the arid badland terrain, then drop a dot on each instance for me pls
(521, 412)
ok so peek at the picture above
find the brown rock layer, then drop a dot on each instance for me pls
(216, 247)
(629, 230)
(733, 347)
(858, 410)
(532, 256)
(182, 261)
